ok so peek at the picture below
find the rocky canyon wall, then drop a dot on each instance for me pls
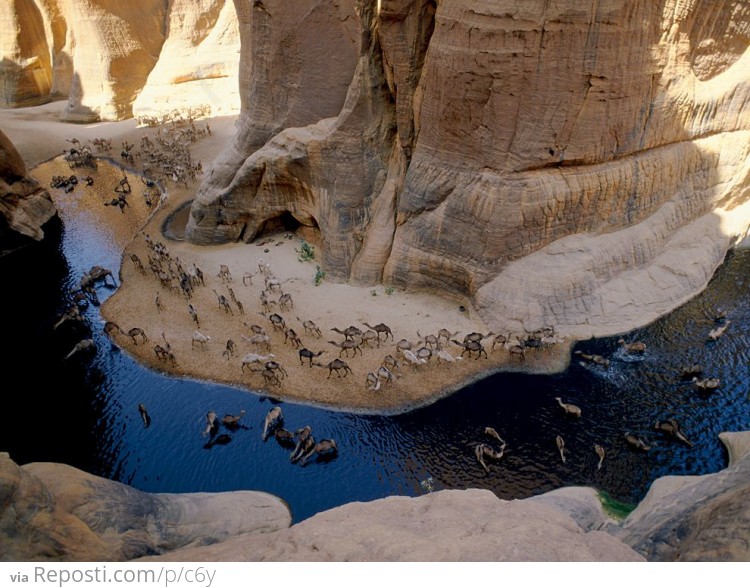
(24, 205)
(579, 164)
(113, 60)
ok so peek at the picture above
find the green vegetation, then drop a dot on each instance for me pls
(389, 290)
(306, 251)
(320, 273)
(614, 508)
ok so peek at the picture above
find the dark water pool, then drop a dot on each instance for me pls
(83, 411)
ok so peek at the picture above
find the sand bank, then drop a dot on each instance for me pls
(410, 315)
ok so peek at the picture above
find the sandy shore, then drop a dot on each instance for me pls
(39, 136)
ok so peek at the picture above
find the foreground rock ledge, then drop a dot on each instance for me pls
(56, 512)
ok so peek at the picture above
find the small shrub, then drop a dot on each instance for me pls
(614, 508)
(306, 251)
(320, 273)
(389, 290)
(373, 293)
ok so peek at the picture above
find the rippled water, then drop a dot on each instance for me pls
(83, 411)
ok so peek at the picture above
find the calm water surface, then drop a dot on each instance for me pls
(83, 411)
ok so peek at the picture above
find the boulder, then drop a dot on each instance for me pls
(24, 206)
(56, 512)
(449, 525)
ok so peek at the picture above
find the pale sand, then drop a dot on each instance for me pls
(38, 136)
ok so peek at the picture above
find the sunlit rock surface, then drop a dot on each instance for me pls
(106, 55)
(576, 164)
(55, 512)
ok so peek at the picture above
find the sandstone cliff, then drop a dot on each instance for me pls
(102, 54)
(581, 164)
(24, 205)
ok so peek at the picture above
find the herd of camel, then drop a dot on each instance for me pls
(180, 282)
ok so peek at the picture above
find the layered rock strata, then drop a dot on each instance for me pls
(583, 165)
(56, 512)
(103, 54)
(24, 206)
(696, 518)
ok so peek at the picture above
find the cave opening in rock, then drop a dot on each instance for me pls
(305, 228)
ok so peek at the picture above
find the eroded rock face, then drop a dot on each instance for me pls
(102, 54)
(24, 205)
(583, 165)
(450, 525)
(696, 518)
(56, 512)
(198, 63)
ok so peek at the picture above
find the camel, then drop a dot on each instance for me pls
(369, 336)
(284, 437)
(600, 452)
(635, 347)
(483, 450)
(385, 374)
(311, 327)
(270, 377)
(194, 315)
(336, 365)
(275, 366)
(224, 274)
(381, 328)
(403, 345)
(257, 329)
(470, 347)
(285, 300)
(137, 263)
(224, 303)
(430, 340)
(137, 332)
(72, 314)
(561, 447)
(518, 350)
(443, 355)
(476, 337)
(718, 331)
(229, 349)
(346, 345)
(671, 427)
(158, 302)
(636, 442)
(305, 442)
(424, 353)
(273, 420)
(707, 383)
(212, 425)
(199, 337)
(595, 359)
(493, 433)
(390, 362)
(323, 448)
(691, 371)
(447, 335)
(570, 409)
(372, 382)
(292, 336)
(231, 421)
(277, 321)
(349, 333)
(84, 345)
(98, 273)
(248, 277)
(307, 354)
(110, 326)
(412, 358)
(259, 340)
(145, 416)
(254, 358)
